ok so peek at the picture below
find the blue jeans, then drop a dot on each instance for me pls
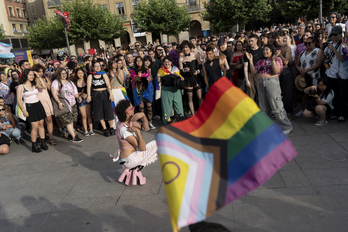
(270, 101)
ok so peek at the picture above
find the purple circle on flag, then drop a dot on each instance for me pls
(177, 175)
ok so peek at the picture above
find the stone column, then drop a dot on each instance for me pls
(148, 37)
(117, 42)
(86, 46)
(184, 35)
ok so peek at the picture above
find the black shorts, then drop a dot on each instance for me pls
(102, 107)
(4, 140)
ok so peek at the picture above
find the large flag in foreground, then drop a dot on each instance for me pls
(226, 150)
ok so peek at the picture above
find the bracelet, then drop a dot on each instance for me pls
(59, 102)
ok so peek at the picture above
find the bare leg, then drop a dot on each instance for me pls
(321, 111)
(84, 117)
(34, 130)
(71, 131)
(89, 116)
(49, 123)
(41, 129)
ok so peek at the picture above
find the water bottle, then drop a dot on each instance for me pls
(167, 118)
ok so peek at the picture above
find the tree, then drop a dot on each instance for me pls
(91, 22)
(224, 14)
(161, 16)
(47, 34)
(274, 16)
(310, 8)
(2, 32)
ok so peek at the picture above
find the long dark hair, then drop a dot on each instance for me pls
(149, 59)
(38, 67)
(76, 77)
(328, 90)
(24, 77)
(138, 69)
(235, 47)
(59, 77)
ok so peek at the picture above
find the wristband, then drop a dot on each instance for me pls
(59, 102)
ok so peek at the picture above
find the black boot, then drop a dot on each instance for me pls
(106, 132)
(35, 148)
(112, 131)
(43, 144)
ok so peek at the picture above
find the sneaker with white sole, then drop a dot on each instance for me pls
(86, 133)
(287, 131)
(77, 139)
(91, 132)
(321, 123)
(152, 127)
(299, 114)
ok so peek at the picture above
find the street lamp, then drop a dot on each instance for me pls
(66, 33)
(320, 11)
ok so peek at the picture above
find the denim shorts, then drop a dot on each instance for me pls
(84, 103)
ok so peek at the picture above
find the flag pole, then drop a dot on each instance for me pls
(321, 12)
(66, 33)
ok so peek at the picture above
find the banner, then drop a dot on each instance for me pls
(23, 55)
(137, 31)
(65, 15)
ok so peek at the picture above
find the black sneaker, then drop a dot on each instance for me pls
(112, 131)
(70, 138)
(106, 132)
(77, 139)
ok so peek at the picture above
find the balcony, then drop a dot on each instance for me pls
(122, 17)
(192, 5)
(52, 3)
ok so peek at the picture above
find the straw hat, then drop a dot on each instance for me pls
(300, 83)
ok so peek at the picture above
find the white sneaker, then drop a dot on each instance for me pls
(287, 131)
(299, 114)
(86, 133)
(152, 127)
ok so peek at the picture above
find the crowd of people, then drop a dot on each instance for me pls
(277, 67)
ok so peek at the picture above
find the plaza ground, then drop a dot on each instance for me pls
(74, 187)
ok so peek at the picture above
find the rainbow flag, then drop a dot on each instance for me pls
(226, 150)
(163, 71)
(300, 21)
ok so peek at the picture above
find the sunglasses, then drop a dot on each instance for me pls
(332, 17)
(309, 26)
(130, 109)
(307, 43)
(137, 45)
(213, 40)
(3, 109)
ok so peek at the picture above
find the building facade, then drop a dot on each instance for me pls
(124, 9)
(15, 20)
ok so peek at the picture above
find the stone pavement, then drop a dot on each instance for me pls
(73, 187)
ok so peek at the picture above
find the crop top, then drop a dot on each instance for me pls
(30, 96)
(98, 83)
(264, 66)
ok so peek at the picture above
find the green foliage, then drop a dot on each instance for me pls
(47, 34)
(2, 32)
(161, 16)
(310, 8)
(224, 14)
(274, 16)
(91, 22)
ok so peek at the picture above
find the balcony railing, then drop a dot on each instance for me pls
(52, 3)
(122, 17)
(192, 5)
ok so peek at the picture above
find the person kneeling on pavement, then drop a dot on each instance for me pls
(320, 101)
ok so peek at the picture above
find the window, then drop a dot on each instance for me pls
(18, 13)
(10, 11)
(34, 20)
(104, 7)
(119, 8)
(24, 13)
(135, 3)
(21, 27)
(14, 27)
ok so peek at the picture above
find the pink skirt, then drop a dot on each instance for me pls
(142, 158)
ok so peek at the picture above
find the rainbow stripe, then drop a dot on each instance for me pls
(226, 150)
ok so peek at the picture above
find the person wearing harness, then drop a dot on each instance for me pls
(132, 152)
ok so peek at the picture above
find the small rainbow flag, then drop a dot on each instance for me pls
(226, 150)
(300, 21)
(344, 40)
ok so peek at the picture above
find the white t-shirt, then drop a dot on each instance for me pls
(125, 133)
(328, 99)
(329, 28)
(336, 65)
(308, 61)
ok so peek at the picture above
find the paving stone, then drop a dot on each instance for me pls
(326, 177)
(31, 223)
(275, 181)
(294, 179)
(283, 191)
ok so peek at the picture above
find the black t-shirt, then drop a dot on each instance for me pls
(257, 55)
(156, 65)
(228, 55)
(13, 86)
(168, 80)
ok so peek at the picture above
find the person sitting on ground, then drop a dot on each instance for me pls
(320, 102)
(133, 152)
(8, 125)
